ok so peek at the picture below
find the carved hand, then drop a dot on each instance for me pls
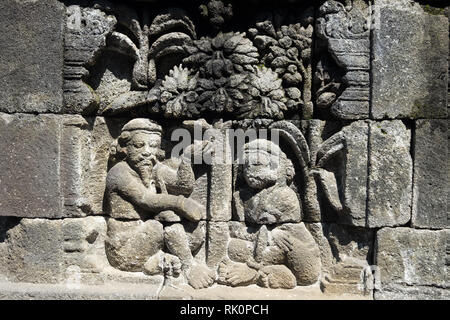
(197, 150)
(191, 209)
(284, 241)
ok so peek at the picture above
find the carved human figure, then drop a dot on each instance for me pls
(140, 187)
(278, 252)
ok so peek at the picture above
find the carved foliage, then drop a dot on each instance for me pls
(264, 72)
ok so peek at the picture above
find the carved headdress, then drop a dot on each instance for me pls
(140, 124)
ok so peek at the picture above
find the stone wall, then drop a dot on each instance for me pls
(352, 202)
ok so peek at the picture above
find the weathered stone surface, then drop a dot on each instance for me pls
(348, 41)
(221, 192)
(412, 257)
(303, 257)
(121, 291)
(348, 242)
(3, 248)
(431, 175)
(339, 156)
(53, 165)
(411, 45)
(52, 251)
(352, 249)
(85, 35)
(221, 187)
(41, 165)
(390, 174)
(111, 291)
(404, 292)
(101, 135)
(355, 173)
(299, 215)
(31, 33)
(30, 182)
(218, 238)
(326, 254)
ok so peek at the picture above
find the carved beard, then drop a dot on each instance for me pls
(144, 169)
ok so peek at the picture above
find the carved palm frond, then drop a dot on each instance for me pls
(121, 43)
(296, 141)
(326, 179)
(329, 148)
(148, 41)
(299, 145)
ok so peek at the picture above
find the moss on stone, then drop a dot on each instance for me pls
(433, 10)
(420, 109)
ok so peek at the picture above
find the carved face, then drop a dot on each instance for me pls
(261, 169)
(142, 148)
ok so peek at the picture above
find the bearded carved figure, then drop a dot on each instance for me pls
(147, 201)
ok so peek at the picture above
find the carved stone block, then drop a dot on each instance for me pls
(41, 165)
(345, 31)
(32, 37)
(412, 45)
(405, 292)
(412, 257)
(217, 243)
(53, 251)
(390, 174)
(222, 149)
(352, 251)
(431, 174)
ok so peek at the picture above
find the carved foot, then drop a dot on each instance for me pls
(277, 276)
(236, 274)
(201, 276)
(163, 263)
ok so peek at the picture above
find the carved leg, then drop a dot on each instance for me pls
(177, 242)
(197, 273)
(131, 243)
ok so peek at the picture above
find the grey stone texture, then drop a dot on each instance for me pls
(85, 35)
(131, 243)
(220, 192)
(112, 291)
(390, 174)
(55, 251)
(126, 291)
(348, 270)
(52, 166)
(348, 41)
(431, 174)
(355, 173)
(403, 292)
(410, 61)
(217, 243)
(39, 163)
(352, 203)
(31, 55)
(411, 257)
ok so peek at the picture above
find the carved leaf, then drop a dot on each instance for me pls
(169, 43)
(121, 43)
(175, 19)
(330, 148)
(327, 181)
(295, 139)
(178, 93)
